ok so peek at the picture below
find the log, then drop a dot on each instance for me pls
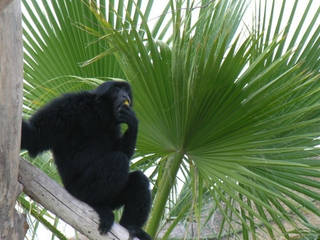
(4, 4)
(11, 65)
(53, 197)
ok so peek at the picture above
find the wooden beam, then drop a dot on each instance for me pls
(11, 67)
(4, 4)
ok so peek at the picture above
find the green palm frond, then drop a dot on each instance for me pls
(232, 117)
(55, 47)
(243, 115)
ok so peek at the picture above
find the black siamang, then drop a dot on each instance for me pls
(92, 156)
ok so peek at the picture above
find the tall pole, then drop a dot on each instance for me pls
(11, 70)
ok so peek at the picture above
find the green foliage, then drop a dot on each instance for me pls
(55, 48)
(232, 118)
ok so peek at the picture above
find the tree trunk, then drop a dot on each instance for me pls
(4, 3)
(11, 64)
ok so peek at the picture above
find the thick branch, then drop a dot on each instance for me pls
(56, 199)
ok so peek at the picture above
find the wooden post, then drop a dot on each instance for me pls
(11, 67)
(4, 3)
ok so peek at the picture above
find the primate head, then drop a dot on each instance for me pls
(117, 93)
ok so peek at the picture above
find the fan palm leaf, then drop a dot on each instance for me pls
(234, 118)
(242, 115)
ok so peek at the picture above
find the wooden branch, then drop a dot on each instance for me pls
(38, 186)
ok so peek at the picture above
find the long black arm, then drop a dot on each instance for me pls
(127, 142)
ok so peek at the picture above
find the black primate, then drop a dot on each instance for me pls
(92, 156)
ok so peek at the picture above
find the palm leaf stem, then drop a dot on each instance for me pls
(167, 181)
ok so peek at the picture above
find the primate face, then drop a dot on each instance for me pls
(118, 92)
(121, 97)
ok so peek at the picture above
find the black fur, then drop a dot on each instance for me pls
(83, 132)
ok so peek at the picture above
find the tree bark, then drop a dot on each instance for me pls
(56, 199)
(4, 4)
(11, 66)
